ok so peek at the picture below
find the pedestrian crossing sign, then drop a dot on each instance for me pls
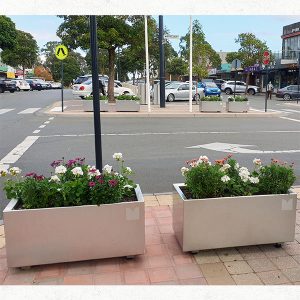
(61, 52)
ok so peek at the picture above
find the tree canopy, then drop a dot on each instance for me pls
(24, 53)
(8, 33)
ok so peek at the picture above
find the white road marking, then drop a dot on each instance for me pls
(19, 150)
(5, 110)
(4, 167)
(51, 118)
(237, 148)
(47, 122)
(57, 108)
(290, 119)
(42, 126)
(292, 110)
(36, 131)
(29, 110)
(170, 133)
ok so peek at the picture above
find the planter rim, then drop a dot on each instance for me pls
(13, 202)
(178, 186)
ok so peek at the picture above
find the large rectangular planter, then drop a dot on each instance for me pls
(88, 105)
(211, 106)
(237, 106)
(233, 221)
(63, 234)
(127, 105)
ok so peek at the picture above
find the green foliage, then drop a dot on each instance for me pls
(237, 98)
(128, 97)
(277, 178)
(231, 56)
(101, 97)
(177, 66)
(227, 179)
(8, 33)
(73, 184)
(211, 98)
(24, 53)
(204, 56)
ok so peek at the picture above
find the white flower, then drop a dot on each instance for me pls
(184, 170)
(60, 170)
(257, 161)
(253, 179)
(225, 167)
(77, 171)
(107, 169)
(58, 190)
(93, 172)
(225, 178)
(3, 173)
(54, 178)
(15, 170)
(128, 170)
(203, 159)
(236, 166)
(127, 186)
(118, 156)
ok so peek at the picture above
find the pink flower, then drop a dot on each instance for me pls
(101, 181)
(92, 184)
(113, 182)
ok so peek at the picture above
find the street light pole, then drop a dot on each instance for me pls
(266, 97)
(162, 90)
(147, 66)
(191, 67)
(95, 82)
(298, 77)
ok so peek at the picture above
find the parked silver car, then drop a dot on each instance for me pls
(180, 91)
(228, 88)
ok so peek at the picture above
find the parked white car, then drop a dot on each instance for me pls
(181, 91)
(240, 87)
(21, 84)
(86, 88)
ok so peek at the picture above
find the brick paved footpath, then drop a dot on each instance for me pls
(165, 263)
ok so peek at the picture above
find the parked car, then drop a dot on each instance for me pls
(211, 89)
(83, 78)
(43, 83)
(55, 85)
(180, 91)
(219, 82)
(289, 92)
(86, 88)
(21, 84)
(228, 88)
(34, 85)
(7, 85)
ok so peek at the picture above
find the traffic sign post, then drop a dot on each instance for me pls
(61, 52)
(266, 61)
(236, 63)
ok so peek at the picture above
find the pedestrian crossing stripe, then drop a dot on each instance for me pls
(29, 110)
(5, 110)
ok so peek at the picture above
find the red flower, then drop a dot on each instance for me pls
(113, 182)
(92, 184)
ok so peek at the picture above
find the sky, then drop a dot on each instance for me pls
(220, 31)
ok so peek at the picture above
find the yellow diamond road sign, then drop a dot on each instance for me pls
(61, 52)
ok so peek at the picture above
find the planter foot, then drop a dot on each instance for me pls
(25, 268)
(130, 256)
(277, 245)
(195, 252)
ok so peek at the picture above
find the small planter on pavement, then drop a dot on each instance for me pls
(127, 105)
(88, 105)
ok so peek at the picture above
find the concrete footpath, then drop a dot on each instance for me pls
(75, 108)
(164, 263)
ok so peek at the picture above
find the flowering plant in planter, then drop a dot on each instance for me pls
(226, 178)
(73, 183)
(211, 98)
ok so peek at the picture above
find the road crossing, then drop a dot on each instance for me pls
(26, 111)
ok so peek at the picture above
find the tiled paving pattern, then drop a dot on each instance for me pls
(165, 263)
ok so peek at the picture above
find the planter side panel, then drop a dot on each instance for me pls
(178, 217)
(88, 105)
(45, 236)
(211, 106)
(238, 221)
(237, 106)
(127, 105)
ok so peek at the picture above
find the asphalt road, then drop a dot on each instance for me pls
(155, 148)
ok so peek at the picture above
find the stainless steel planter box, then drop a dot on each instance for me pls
(211, 106)
(63, 234)
(233, 221)
(127, 105)
(88, 105)
(232, 106)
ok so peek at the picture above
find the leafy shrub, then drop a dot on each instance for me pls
(128, 97)
(101, 97)
(226, 178)
(237, 99)
(211, 98)
(73, 183)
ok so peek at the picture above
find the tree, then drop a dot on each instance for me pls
(43, 72)
(24, 53)
(250, 52)
(177, 66)
(112, 32)
(8, 33)
(204, 56)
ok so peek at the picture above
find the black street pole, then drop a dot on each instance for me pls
(95, 82)
(161, 63)
(62, 86)
(298, 77)
(266, 97)
(235, 77)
